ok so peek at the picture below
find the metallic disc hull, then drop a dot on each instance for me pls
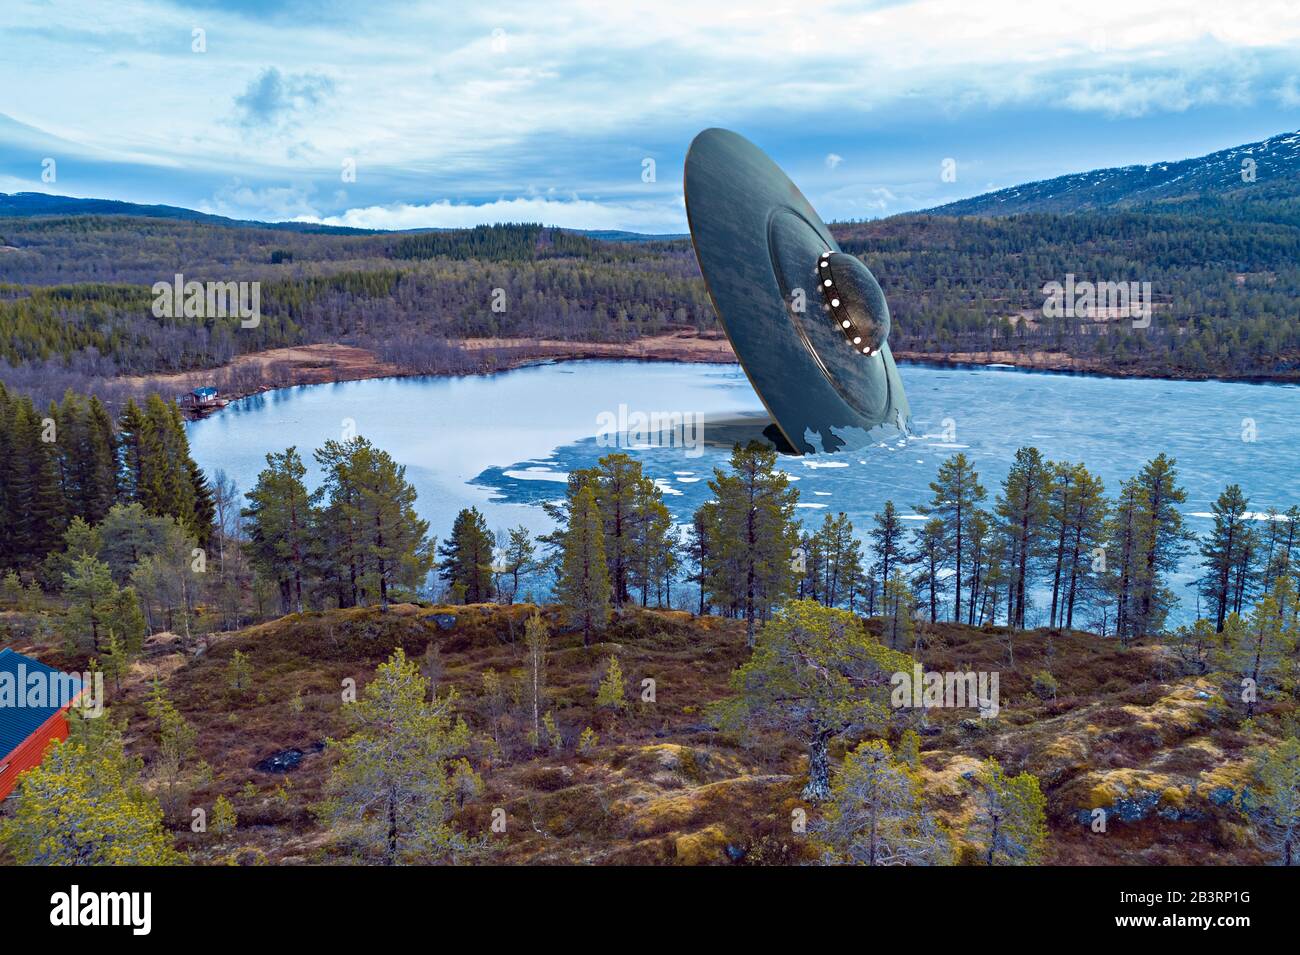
(757, 240)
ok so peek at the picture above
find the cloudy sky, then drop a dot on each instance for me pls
(454, 113)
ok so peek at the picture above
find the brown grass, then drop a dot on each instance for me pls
(663, 786)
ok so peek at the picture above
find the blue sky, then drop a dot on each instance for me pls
(458, 113)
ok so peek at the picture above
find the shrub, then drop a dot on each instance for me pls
(1044, 685)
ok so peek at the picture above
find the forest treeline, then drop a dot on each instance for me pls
(73, 460)
(1051, 545)
(75, 291)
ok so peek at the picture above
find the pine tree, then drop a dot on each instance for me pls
(1195, 644)
(1221, 551)
(665, 563)
(396, 544)
(239, 674)
(391, 790)
(1023, 510)
(887, 541)
(898, 607)
(1085, 529)
(1164, 543)
(697, 548)
(634, 521)
(1125, 532)
(281, 518)
(931, 549)
(136, 445)
(1010, 821)
(125, 621)
(177, 765)
(519, 557)
(979, 535)
(833, 562)
(615, 481)
(816, 674)
(114, 661)
(957, 494)
(648, 536)
(611, 694)
(1060, 509)
(128, 535)
(1277, 812)
(844, 561)
(812, 558)
(339, 527)
(875, 816)
(1255, 652)
(583, 585)
(79, 540)
(91, 593)
(99, 491)
(754, 533)
(467, 557)
(38, 513)
(224, 818)
(1281, 558)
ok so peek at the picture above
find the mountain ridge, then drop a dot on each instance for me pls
(1276, 160)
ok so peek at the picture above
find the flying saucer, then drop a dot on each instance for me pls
(808, 322)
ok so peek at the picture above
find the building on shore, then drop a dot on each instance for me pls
(30, 722)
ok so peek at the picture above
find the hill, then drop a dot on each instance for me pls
(23, 204)
(1269, 168)
(1128, 731)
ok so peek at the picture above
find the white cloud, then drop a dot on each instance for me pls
(270, 203)
(581, 92)
(569, 214)
(1128, 95)
(1288, 94)
(18, 184)
(424, 84)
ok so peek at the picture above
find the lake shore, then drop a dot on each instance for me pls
(327, 363)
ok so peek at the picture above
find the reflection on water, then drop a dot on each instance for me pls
(506, 442)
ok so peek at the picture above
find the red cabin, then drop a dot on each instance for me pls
(29, 718)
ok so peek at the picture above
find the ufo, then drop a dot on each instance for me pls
(808, 322)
